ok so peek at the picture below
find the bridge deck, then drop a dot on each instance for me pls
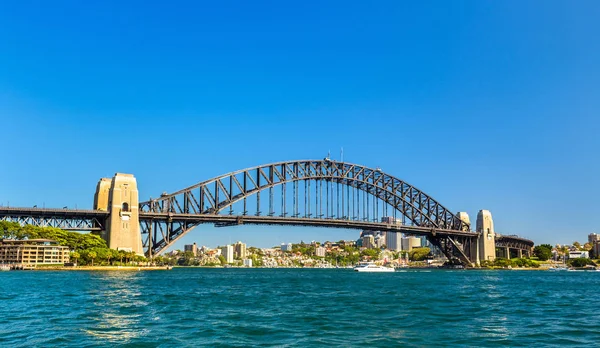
(229, 220)
(47, 212)
(85, 219)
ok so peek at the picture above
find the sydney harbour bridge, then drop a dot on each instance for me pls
(318, 193)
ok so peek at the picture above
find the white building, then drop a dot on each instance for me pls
(227, 252)
(579, 254)
(394, 241)
(320, 251)
(247, 262)
(286, 247)
(408, 243)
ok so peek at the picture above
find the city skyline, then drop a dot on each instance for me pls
(480, 105)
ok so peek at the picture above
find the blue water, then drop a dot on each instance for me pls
(299, 307)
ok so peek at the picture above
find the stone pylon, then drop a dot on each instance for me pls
(487, 236)
(119, 196)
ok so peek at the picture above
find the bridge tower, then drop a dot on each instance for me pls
(102, 194)
(119, 196)
(487, 236)
(473, 247)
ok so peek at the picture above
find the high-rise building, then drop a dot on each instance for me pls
(192, 248)
(380, 240)
(368, 241)
(593, 238)
(239, 250)
(320, 251)
(227, 252)
(394, 241)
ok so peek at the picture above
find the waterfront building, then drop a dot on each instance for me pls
(394, 241)
(286, 247)
(410, 242)
(239, 250)
(576, 254)
(227, 252)
(193, 248)
(247, 262)
(32, 252)
(320, 251)
(593, 238)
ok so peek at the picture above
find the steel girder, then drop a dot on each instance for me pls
(342, 183)
(78, 220)
(513, 242)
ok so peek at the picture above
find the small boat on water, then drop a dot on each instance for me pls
(372, 267)
(558, 268)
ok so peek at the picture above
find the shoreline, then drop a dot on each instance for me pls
(103, 268)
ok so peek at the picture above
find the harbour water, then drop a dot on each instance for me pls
(299, 307)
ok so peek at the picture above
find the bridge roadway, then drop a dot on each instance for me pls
(233, 220)
(94, 220)
(66, 219)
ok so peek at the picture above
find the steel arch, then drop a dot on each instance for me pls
(218, 194)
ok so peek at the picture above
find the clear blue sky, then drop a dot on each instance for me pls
(481, 104)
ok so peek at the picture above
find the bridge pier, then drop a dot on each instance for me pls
(487, 236)
(507, 252)
(520, 253)
(119, 196)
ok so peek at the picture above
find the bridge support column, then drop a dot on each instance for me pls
(122, 202)
(507, 251)
(473, 243)
(520, 253)
(487, 236)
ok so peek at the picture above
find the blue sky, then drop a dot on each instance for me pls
(481, 104)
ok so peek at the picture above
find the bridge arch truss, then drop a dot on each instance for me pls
(308, 192)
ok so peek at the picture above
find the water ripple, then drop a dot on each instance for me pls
(289, 308)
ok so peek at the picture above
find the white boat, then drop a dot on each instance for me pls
(558, 268)
(4, 268)
(372, 267)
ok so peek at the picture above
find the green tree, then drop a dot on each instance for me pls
(580, 262)
(9, 230)
(372, 253)
(92, 255)
(121, 254)
(223, 260)
(75, 255)
(543, 252)
(419, 254)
